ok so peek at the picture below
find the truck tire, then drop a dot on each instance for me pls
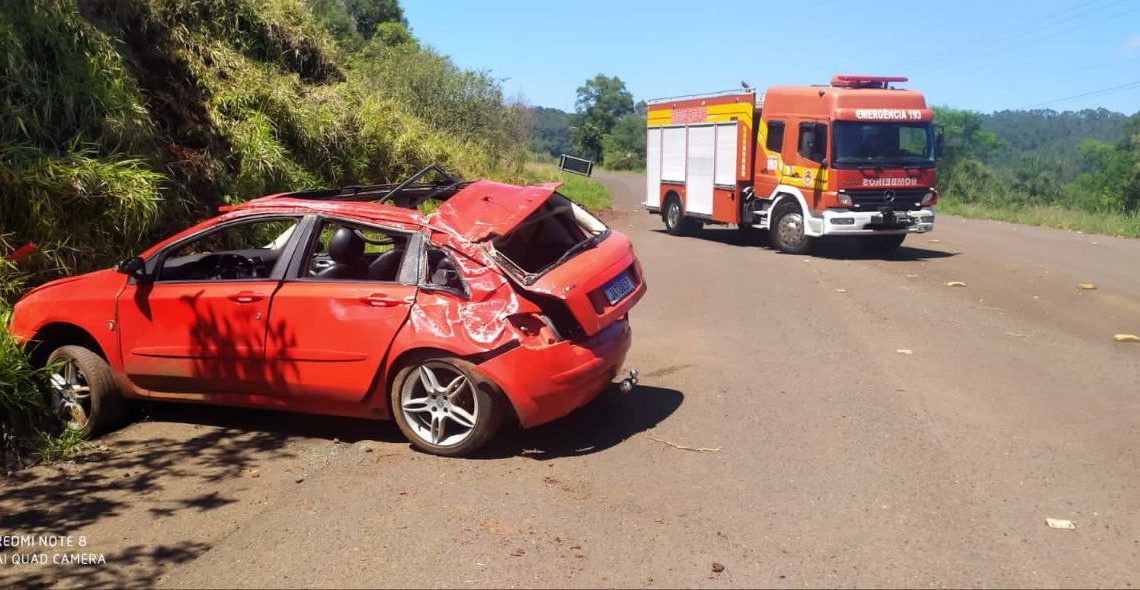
(83, 395)
(788, 230)
(673, 214)
(881, 246)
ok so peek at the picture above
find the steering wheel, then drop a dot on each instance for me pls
(228, 265)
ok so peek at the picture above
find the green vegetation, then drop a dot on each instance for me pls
(585, 191)
(122, 122)
(549, 131)
(607, 127)
(22, 403)
(1060, 177)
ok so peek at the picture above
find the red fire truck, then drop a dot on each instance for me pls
(854, 158)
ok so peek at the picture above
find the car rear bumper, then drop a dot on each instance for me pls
(548, 383)
(866, 223)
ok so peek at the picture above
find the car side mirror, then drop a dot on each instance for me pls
(824, 163)
(133, 267)
(939, 138)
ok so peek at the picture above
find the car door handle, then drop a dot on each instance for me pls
(379, 300)
(246, 297)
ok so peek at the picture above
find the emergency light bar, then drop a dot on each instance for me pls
(857, 81)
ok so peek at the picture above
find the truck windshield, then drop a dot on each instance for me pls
(881, 145)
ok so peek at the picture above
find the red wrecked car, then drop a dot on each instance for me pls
(507, 301)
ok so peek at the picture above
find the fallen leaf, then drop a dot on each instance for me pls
(1126, 338)
(905, 351)
(518, 553)
(1060, 523)
(934, 241)
(717, 567)
(955, 284)
(1086, 286)
(841, 290)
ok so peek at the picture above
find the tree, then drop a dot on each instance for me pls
(624, 147)
(549, 131)
(1114, 183)
(966, 145)
(370, 13)
(602, 101)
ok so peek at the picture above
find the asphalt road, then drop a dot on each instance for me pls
(827, 457)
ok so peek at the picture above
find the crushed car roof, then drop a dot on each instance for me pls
(479, 210)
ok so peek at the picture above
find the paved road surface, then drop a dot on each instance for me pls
(839, 461)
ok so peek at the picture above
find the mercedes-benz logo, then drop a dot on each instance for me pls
(889, 196)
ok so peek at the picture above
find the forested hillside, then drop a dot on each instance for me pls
(123, 121)
(1050, 136)
(1077, 170)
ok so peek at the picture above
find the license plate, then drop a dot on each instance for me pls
(900, 218)
(618, 288)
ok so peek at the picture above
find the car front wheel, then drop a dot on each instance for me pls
(443, 408)
(83, 395)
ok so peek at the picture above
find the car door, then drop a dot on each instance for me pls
(338, 310)
(197, 324)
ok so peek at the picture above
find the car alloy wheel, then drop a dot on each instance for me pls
(71, 395)
(440, 406)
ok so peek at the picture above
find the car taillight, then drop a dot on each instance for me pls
(534, 330)
(930, 198)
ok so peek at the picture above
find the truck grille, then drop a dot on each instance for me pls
(873, 200)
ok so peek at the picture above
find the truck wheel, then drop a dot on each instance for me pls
(443, 408)
(789, 230)
(674, 216)
(83, 394)
(881, 245)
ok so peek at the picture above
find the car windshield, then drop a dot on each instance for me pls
(878, 145)
(553, 233)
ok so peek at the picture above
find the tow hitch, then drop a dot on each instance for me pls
(630, 382)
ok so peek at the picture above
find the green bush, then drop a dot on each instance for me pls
(122, 122)
(22, 388)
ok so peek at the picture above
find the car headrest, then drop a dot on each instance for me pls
(346, 246)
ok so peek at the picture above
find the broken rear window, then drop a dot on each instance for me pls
(554, 233)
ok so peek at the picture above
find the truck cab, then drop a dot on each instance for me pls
(854, 158)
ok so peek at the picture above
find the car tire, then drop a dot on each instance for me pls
(881, 246)
(673, 214)
(443, 407)
(788, 230)
(83, 395)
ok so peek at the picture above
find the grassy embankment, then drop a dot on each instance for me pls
(585, 191)
(1113, 224)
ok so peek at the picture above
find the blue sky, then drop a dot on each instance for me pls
(982, 55)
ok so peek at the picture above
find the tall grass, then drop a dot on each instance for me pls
(1113, 224)
(583, 190)
(124, 121)
(22, 386)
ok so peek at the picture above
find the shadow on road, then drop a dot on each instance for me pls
(285, 425)
(848, 249)
(63, 499)
(606, 422)
(834, 248)
(726, 235)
